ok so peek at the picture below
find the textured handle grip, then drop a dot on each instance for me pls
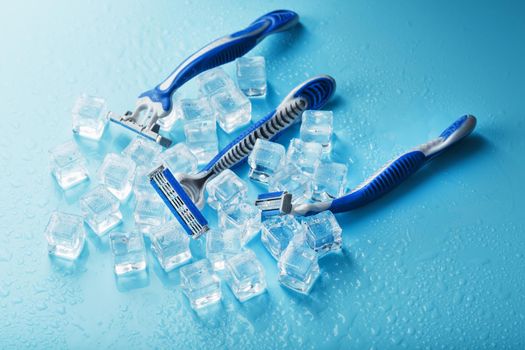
(381, 183)
(219, 52)
(311, 94)
(395, 172)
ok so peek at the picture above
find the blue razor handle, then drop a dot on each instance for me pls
(311, 94)
(184, 193)
(399, 169)
(219, 52)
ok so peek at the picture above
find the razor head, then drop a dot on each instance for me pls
(274, 203)
(179, 203)
(130, 124)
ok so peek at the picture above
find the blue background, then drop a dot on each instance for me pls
(437, 263)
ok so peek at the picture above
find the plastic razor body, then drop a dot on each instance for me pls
(157, 102)
(383, 181)
(311, 94)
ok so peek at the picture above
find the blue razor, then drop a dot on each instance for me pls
(184, 194)
(382, 182)
(156, 103)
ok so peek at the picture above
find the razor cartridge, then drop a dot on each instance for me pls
(152, 134)
(178, 202)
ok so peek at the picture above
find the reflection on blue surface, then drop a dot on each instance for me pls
(436, 263)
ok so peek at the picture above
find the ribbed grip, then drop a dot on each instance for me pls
(381, 183)
(311, 94)
(219, 52)
(267, 129)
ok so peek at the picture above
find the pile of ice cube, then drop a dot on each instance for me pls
(304, 170)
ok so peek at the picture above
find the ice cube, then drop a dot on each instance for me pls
(141, 183)
(150, 211)
(179, 159)
(266, 158)
(201, 138)
(214, 80)
(89, 116)
(246, 275)
(317, 126)
(244, 217)
(200, 284)
(298, 268)
(306, 155)
(225, 190)
(65, 235)
(142, 151)
(323, 233)
(117, 174)
(277, 232)
(195, 109)
(220, 245)
(290, 178)
(68, 166)
(100, 210)
(329, 181)
(129, 254)
(251, 75)
(233, 108)
(171, 245)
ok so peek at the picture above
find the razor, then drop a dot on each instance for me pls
(157, 102)
(383, 181)
(184, 193)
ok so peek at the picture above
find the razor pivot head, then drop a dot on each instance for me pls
(179, 203)
(274, 203)
(131, 123)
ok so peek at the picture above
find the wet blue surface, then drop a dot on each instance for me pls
(438, 263)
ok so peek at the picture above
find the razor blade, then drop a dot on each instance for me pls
(149, 133)
(274, 203)
(178, 202)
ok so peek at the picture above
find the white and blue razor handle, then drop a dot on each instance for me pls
(394, 172)
(216, 53)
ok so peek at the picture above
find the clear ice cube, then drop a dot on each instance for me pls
(179, 159)
(195, 109)
(68, 166)
(329, 181)
(101, 210)
(225, 190)
(306, 155)
(265, 159)
(220, 245)
(117, 174)
(129, 253)
(277, 232)
(200, 284)
(201, 138)
(246, 275)
(150, 211)
(214, 80)
(251, 75)
(142, 151)
(171, 245)
(234, 109)
(244, 217)
(65, 235)
(298, 268)
(323, 233)
(141, 184)
(317, 126)
(89, 116)
(290, 178)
